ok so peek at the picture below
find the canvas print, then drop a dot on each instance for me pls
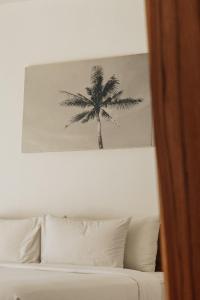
(90, 104)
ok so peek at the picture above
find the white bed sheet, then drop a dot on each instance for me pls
(61, 282)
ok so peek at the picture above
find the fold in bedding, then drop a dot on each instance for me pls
(61, 282)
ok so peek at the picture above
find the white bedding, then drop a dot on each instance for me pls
(61, 282)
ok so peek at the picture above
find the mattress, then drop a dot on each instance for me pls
(61, 282)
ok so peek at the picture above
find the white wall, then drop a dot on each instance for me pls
(107, 182)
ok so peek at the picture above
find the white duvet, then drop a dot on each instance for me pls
(61, 282)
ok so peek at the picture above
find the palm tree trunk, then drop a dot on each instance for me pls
(100, 140)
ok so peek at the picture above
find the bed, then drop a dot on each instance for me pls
(64, 282)
(69, 258)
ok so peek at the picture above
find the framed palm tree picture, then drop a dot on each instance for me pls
(89, 104)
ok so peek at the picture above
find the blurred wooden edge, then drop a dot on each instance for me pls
(174, 43)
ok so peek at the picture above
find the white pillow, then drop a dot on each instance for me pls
(141, 246)
(84, 242)
(20, 240)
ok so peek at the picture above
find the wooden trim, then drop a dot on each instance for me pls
(174, 41)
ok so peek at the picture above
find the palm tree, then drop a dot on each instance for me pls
(99, 97)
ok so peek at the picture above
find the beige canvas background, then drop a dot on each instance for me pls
(45, 119)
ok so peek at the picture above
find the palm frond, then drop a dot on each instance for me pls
(77, 100)
(67, 93)
(97, 85)
(84, 97)
(111, 86)
(97, 75)
(124, 103)
(105, 115)
(90, 101)
(78, 117)
(90, 116)
(89, 91)
(115, 96)
(83, 117)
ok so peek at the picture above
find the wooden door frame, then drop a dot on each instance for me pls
(174, 42)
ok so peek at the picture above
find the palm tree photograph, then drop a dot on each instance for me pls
(95, 104)
(99, 97)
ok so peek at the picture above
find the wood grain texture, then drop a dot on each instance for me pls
(174, 40)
